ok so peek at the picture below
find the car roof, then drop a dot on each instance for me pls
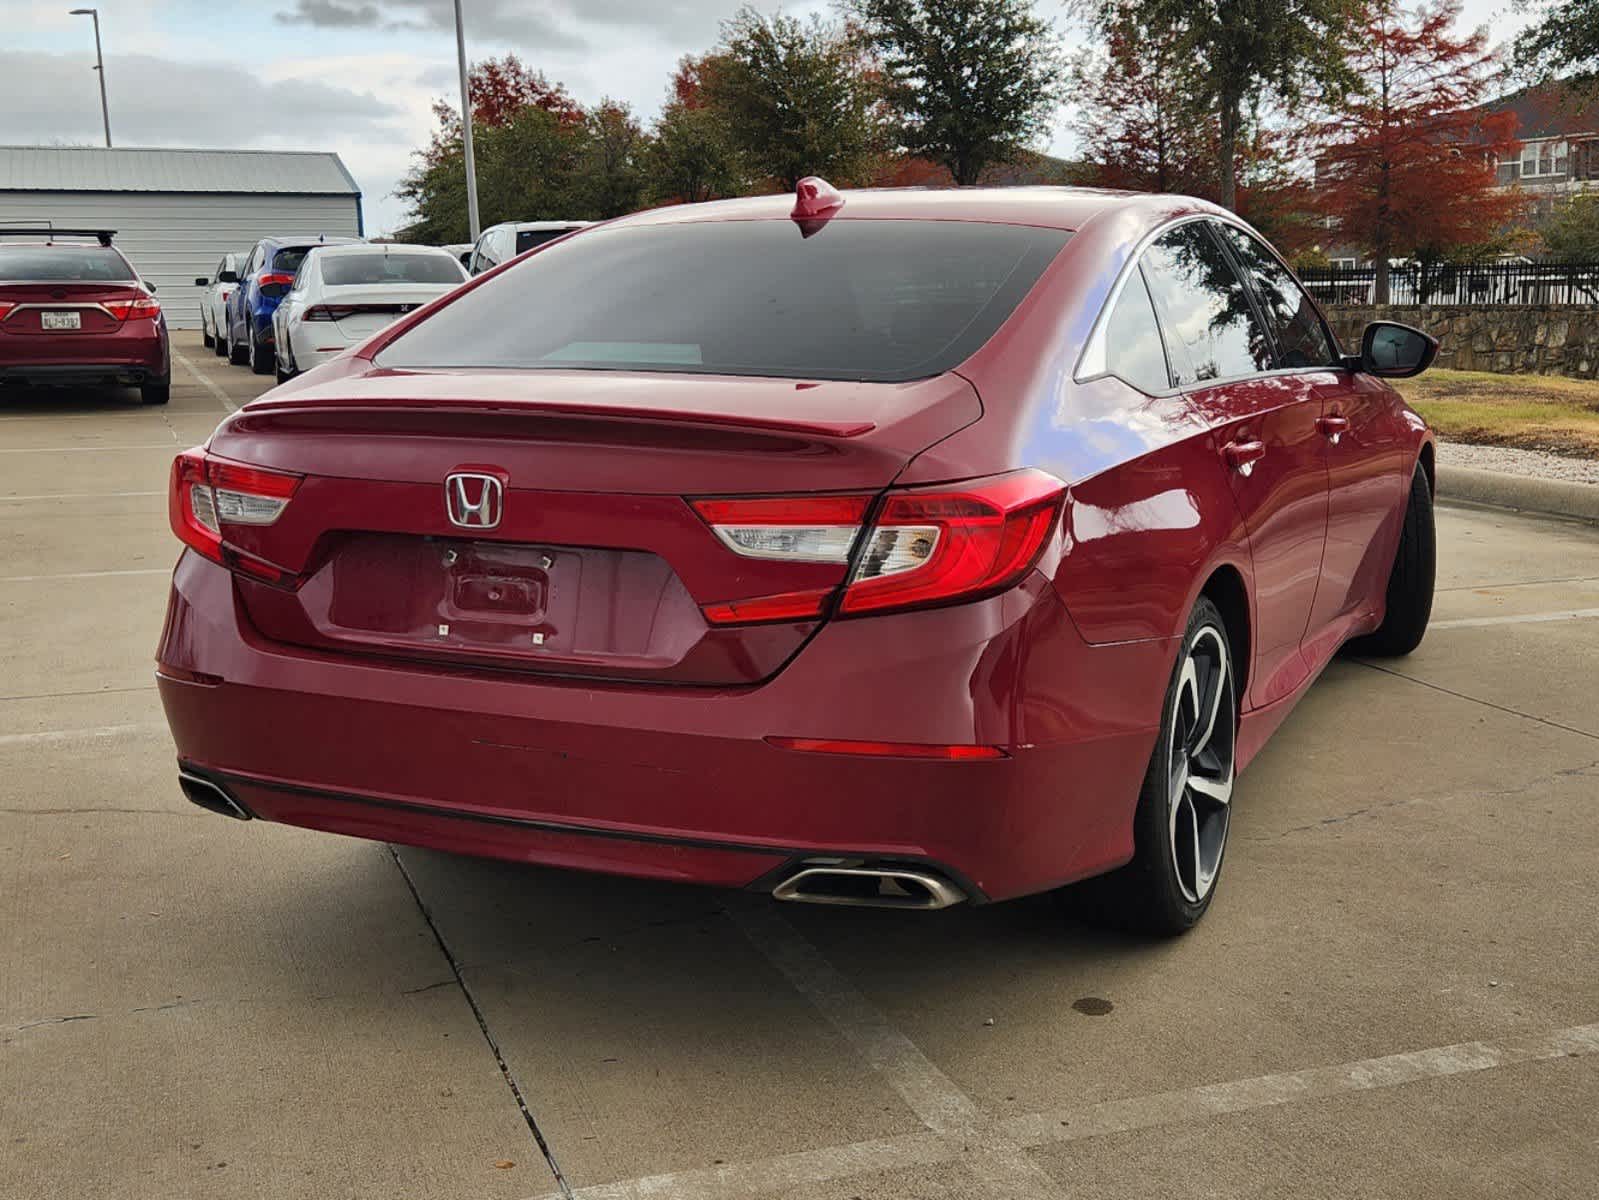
(1067, 208)
(307, 240)
(539, 226)
(379, 248)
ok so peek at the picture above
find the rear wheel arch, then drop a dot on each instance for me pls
(1429, 466)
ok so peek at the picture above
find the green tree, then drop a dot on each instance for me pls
(1572, 232)
(970, 82)
(797, 98)
(611, 167)
(1563, 43)
(1235, 54)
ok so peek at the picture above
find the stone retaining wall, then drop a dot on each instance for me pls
(1512, 339)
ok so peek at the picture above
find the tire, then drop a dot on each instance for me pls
(1410, 583)
(206, 339)
(158, 392)
(258, 364)
(1172, 878)
(219, 345)
(237, 355)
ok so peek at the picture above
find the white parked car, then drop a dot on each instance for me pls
(214, 304)
(499, 243)
(342, 295)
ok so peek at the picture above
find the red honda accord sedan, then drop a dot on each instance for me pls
(884, 547)
(72, 310)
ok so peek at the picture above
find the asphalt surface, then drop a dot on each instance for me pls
(1396, 993)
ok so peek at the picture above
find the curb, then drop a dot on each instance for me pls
(1553, 497)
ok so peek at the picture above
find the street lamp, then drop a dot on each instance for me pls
(466, 125)
(99, 65)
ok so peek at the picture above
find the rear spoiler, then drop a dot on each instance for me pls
(591, 412)
(50, 233)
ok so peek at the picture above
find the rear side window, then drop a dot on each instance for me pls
(1295, 325)
(1211, 329)
(1133, 350)
(526, 239)
(880, 301)
(345, 270)
(64, 264)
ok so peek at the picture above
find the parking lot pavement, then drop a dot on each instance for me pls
(1395, 994)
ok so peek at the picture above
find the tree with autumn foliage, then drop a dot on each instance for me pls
(1142, 128)
(694, 155)
(1407, 168)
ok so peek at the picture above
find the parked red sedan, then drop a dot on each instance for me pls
(897, 548)
(72, 310)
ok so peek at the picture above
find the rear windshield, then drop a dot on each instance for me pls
(345, 269)
(870, 300)
(526, 239)
(64, 264)
(288, 260)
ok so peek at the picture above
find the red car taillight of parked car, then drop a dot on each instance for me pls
(209, 493)
(925, 547)
(132, 308)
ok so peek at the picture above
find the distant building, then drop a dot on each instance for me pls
(1559, 143)
(177, 212)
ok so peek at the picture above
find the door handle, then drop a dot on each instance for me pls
(1332, 427)
(1242, 456)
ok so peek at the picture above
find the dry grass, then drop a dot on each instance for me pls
(1534, 412)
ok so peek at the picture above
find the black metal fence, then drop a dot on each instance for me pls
(1460, 283)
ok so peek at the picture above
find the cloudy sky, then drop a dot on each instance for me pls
(355, 76)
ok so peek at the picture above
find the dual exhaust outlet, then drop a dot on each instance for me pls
(863, 885)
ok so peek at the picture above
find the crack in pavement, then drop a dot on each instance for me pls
(483, 1024)
(1504, 708)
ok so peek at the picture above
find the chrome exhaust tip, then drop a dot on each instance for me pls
(210, 796)
(869, 887)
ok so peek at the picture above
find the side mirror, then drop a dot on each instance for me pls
(228, 277)
(1393, 351)
(150, 285)
(202, 281)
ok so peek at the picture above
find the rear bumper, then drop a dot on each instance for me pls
(129, 355)
(678, 782)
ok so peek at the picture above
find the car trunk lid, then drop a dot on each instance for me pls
(596, 564)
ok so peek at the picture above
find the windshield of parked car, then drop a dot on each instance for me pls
(343, 270)
(880, 300)
(65, 264)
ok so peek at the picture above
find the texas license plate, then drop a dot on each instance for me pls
(61, 320)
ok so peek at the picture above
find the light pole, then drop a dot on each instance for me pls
(466, 125)
(99, 65)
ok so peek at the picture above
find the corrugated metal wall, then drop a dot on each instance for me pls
(173, 238)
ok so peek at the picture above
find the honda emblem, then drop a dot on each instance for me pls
(473, 501)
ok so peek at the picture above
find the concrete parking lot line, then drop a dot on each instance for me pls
(68, 735)
(1504, 708)
(200, 378)
(52, 498)
(930, 1094)
(83, 575)
(1108, 1117)
(1570, 614)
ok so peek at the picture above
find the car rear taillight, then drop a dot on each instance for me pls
(5, 309)
(132, 308)
(925, 547)
(276, 279)
(208, 493)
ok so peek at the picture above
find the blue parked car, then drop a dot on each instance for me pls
(266, 277)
